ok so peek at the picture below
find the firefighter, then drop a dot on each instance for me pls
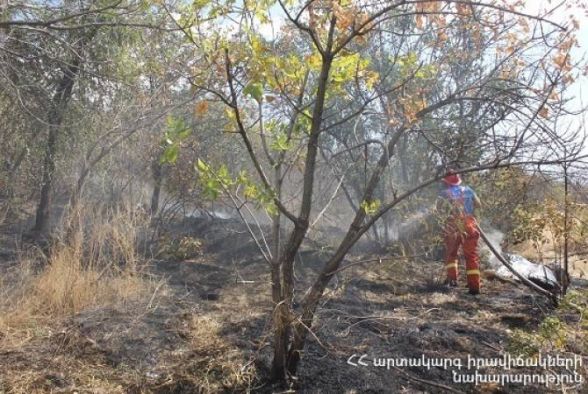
(459, 202)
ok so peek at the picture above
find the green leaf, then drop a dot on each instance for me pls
(170, 155)
(200, 3)
(183, 134)
(272, 209)
(281, 143)
(243, 178)
(145, 5)
(251, 191)
(255, 90)
(201, 165)
(224, 176)
(370, 207)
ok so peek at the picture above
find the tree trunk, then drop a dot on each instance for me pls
(313, 297)
(157, 173)
(283, 308)
(15, 167)
(310, 302)
(55, 117)
(404, 160)
(565, 275)
(281, 312)
(281, 327)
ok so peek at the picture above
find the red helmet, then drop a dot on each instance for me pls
(452, 179)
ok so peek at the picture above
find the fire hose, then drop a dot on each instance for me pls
(522, 278)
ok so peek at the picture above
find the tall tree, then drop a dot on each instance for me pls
(55, 56)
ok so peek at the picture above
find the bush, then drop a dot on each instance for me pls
(182, 249)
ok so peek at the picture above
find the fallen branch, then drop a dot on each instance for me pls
(492, 347)
(239, 278)
(325, 347)
(379, 260)
(363, 319)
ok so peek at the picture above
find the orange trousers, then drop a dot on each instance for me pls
(462, 230)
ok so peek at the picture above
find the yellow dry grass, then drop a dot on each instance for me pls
(552, 250)
(93, 264)
(216, 365)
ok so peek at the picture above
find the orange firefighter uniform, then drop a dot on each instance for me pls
(461, 228)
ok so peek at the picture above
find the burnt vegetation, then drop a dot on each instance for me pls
(221, 196)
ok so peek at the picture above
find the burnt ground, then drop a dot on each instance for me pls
(205, 327)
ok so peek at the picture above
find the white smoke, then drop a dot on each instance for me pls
(409, 224)
(495, 237)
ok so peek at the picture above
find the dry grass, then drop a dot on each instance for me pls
(92, 275)
(4, 209)
(86, 378)
(94, 264)
(215, 365)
